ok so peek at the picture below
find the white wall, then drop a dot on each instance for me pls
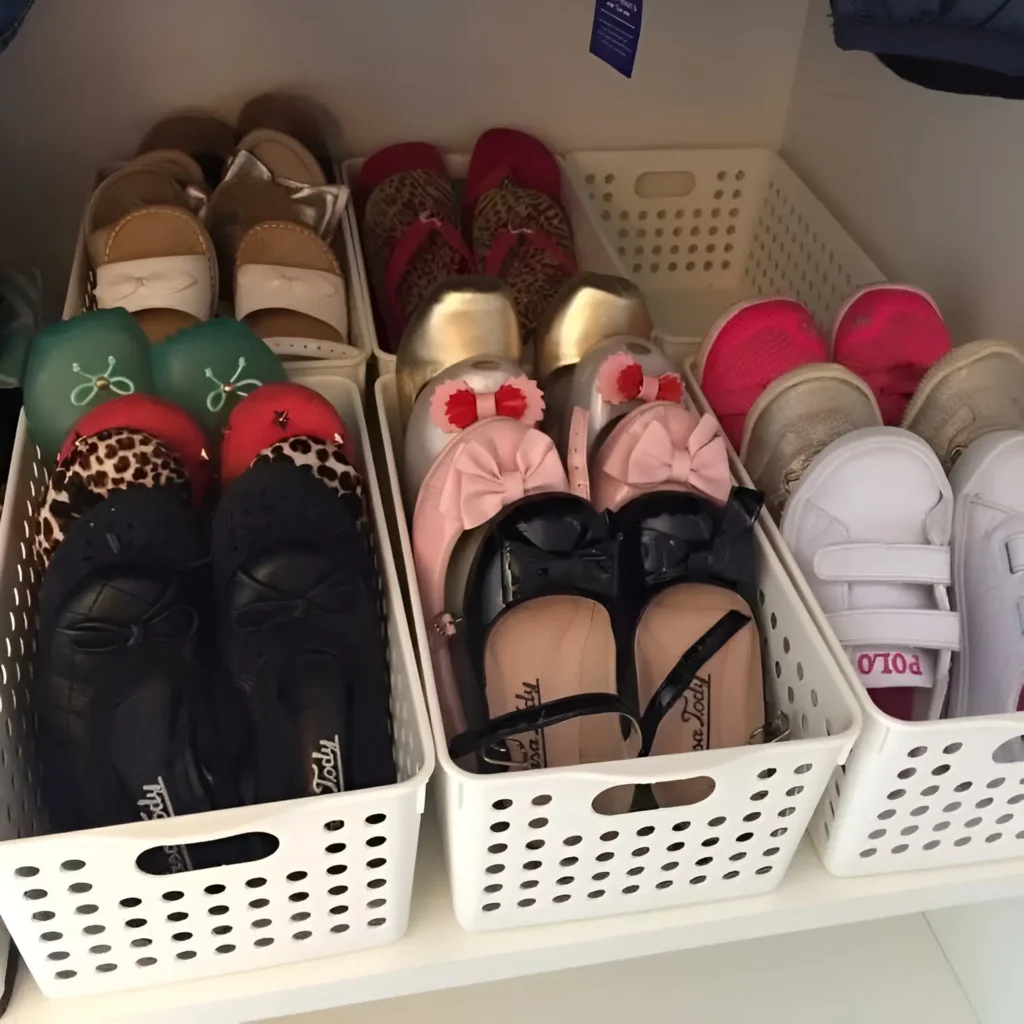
(929, 183)
(87, 77)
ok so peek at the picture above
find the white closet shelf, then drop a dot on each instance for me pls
(436, 953)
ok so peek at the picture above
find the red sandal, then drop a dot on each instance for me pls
(410, 227)
(520, 230)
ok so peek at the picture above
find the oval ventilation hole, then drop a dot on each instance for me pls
(633, 799)
(1009, 751)
(240, 849)
(664, 184)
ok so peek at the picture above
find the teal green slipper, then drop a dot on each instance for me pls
(80, 363)
(208, 368)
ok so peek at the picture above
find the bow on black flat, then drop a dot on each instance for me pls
(121, 667)
(300, 636)
(695, 665)
(534, 653)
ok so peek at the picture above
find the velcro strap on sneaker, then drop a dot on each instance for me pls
(1015, 553)
(886, 563)
(162, 282)
(316, 293)
(902, 627)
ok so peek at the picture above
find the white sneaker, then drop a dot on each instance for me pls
(988, 575)
(869, 525)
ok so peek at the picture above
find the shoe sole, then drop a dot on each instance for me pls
(956, 360)
(780, 385)
(867, 289)
(969, 467)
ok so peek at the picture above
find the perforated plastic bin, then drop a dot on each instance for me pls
(351, 364)
(592, 251)
(528, 848)
(912, 794)
(702, 229)
(84, 916)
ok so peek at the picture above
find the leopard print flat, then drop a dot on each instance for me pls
(326, 461)
(99, 464)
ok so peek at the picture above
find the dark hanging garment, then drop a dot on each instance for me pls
(12, 14)
(963, 46)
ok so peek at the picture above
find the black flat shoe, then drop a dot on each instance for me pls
(120, 665)
(534, 655)
(300, 635)
(694, 665)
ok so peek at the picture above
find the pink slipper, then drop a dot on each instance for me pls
(750, 346)
(891, 335)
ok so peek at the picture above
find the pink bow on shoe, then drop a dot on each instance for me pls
(478, 489)
(702, 465)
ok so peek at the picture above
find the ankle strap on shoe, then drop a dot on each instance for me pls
(489, 741)
(685, 670)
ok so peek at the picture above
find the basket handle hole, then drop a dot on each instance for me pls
(634, 799)
(240, 849)
(1009, 751)
(664, 184)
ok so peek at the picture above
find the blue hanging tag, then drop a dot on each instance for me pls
(616, 33)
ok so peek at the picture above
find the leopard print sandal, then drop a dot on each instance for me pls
(410, 230)
(521, 232)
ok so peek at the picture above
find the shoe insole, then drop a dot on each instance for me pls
(724, 704)
(207, 139)
(123, 193)
(284, 156)
(160, 231)
(287, 245)
(304, 120)
(237, 206)
(548, 648)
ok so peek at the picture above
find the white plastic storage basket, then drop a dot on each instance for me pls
(702, 229)
(86, 919)
(912, 794)
(591, 249)
(351, 365)
(527, 848)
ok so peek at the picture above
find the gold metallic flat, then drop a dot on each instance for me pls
(458, 319)
(589, 308)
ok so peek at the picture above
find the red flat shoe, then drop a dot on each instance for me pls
(273, 414)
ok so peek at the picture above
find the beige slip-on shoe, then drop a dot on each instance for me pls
(796, 417)
(976, 389)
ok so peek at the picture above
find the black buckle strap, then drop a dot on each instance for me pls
(488, 742)
(682, 674)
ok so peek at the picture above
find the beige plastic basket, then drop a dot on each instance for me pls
(528, 848)
(702, 229)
